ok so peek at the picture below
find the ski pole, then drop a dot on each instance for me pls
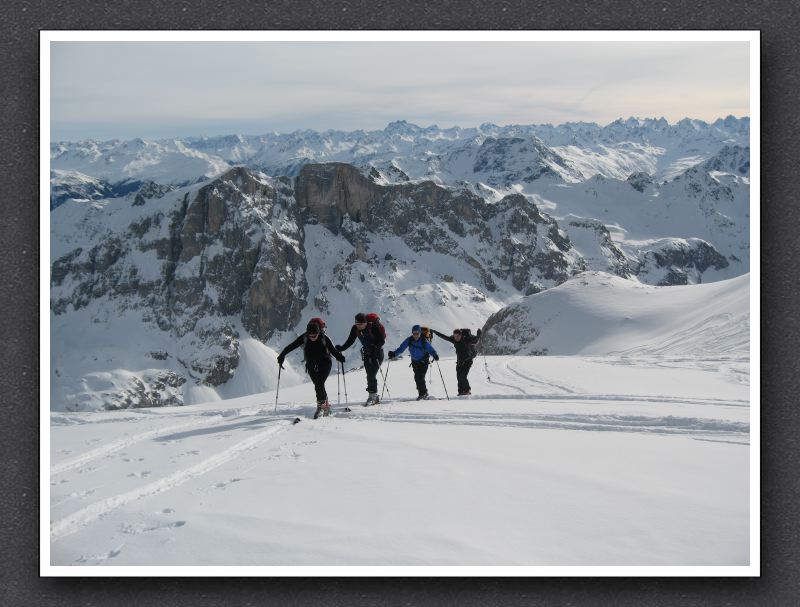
(385, 377)
(485, 364)
(338, 388)
(344, 381)
(277, 389)
(442, 376)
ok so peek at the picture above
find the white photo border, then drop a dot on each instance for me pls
(46, 37)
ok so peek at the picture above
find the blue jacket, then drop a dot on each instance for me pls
(417, 348)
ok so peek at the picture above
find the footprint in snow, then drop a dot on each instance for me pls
(166, 511)
(128, 459)
(143, 474)
(136, 529)
(100, 557)
(224, 484)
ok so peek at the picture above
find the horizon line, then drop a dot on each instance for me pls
(402, 121)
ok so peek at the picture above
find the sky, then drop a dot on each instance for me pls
(155, 90)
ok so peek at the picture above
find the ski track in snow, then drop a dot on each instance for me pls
(538, 381)
(598, 397)
(120, 444)
(91, 513)
(614, 423)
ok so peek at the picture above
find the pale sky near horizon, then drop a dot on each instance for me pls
(106, 90)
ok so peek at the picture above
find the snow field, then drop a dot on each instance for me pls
(561, 460)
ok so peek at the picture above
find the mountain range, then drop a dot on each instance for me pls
(179, 268)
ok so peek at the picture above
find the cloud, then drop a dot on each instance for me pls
(157, 86)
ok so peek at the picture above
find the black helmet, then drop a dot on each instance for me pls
(361, 317)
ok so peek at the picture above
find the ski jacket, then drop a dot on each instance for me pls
(417, 348)
(465, 347)
(373, 335)
(315, 350)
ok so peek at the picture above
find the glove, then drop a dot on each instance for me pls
(436, 357)
(339, 348)
(341, 359)
(280, 360)
(391, 354)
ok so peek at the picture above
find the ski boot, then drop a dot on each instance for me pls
(323, 409)
(372, 399)
(423, 396)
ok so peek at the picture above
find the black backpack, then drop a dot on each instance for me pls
(472, 348)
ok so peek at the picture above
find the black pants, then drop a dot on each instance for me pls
(318, 371)
(462, 370)
(372, 362)
(420, 370)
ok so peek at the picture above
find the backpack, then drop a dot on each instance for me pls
(472, 348)
(375, 320)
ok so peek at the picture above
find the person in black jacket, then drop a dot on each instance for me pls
(318, 350)
(466, 351)
(372, 335)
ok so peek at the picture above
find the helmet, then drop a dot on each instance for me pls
(360, 317)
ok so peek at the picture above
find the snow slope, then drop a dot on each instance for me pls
(596, 313)
(638, 455)
(553, 461)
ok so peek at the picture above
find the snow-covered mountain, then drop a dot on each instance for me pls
(596, 313)
(168, 290)
(488, 152)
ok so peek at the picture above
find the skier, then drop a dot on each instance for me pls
(420, 350)
(317, 350)
(372, 335)
(466, 351)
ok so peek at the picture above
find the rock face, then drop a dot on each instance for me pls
(640, 181)
(228, 252)
(676, 261)
(328, 192)
(518, 242)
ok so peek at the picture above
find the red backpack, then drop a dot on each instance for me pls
(375, 320)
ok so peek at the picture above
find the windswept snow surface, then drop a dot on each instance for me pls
(597, 313)
(557, 460)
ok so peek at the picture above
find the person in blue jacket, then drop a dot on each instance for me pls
(420, 350)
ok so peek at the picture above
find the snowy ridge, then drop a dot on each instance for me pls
(595, 313)
(573, 150)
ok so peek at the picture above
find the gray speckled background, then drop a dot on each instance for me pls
(20, 234)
